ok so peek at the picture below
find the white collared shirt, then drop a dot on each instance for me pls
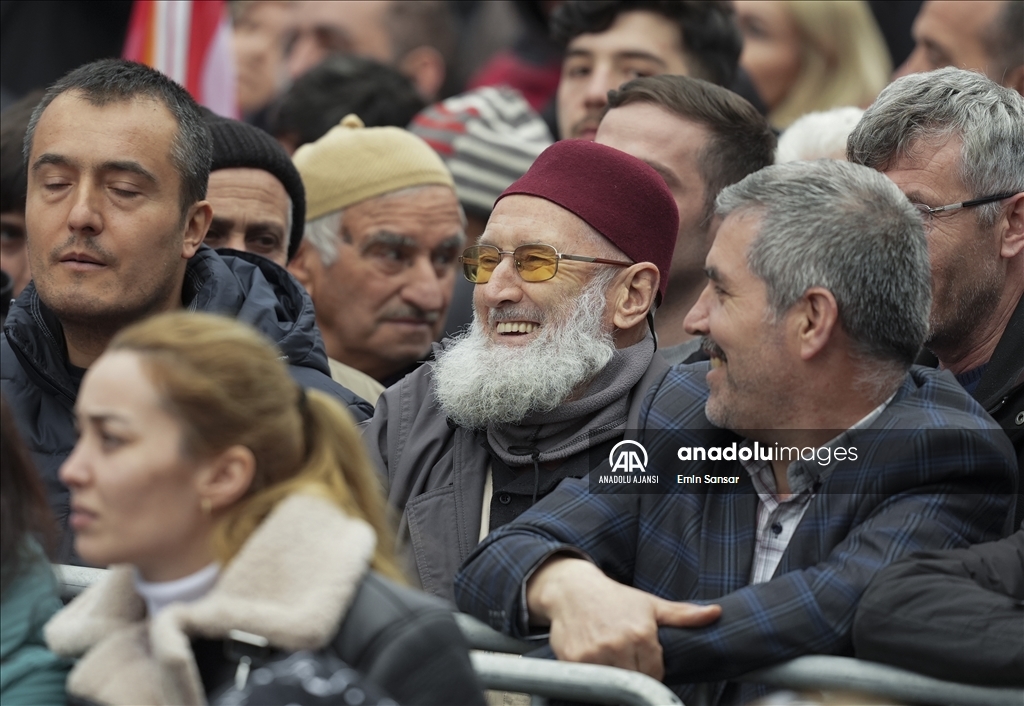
(777, 519)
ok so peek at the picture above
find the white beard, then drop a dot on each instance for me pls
(479, 383)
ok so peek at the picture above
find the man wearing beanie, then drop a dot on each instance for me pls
(554, 368)
(259, 205)
(383, 234)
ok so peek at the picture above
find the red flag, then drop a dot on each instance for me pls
(190, 41)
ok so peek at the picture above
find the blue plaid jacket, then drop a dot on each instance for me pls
(943, 478)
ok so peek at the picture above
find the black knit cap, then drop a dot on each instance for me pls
(238, 145)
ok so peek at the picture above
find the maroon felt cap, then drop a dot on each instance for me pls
(621, 198)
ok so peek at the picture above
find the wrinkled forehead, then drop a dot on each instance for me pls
(519, 219)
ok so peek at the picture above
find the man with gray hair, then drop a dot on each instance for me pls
(785, 469)
(953, 141)
(383, 231)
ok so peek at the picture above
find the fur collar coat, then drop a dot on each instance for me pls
(292, 582)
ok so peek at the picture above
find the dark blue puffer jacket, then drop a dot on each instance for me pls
(41, 389)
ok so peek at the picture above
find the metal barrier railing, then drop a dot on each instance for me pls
(586, 683)
(823, 672)
(72, 580)
(606, 685)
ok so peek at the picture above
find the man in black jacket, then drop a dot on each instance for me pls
(118, 159)
(956, 614)
(952, 140)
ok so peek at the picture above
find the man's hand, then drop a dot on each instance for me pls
(595, 619)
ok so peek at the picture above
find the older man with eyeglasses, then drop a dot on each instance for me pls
(953, 141)
(552, 372)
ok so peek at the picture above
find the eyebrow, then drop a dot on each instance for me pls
(637, 54)
(619, 55)
(386, 237)
(453, 242)
(916, 197)
(103, 417)
(714, 275)
(115, 165)
(665, 172)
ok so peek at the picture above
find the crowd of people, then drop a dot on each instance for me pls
(309, 382)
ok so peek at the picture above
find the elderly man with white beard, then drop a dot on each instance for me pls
(553, 370)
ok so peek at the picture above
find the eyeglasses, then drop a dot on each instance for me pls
(535, 262)
(927, 212)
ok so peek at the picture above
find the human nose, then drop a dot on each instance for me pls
(504, 285)
(600, 82)
(85, 216)
(74, 472)
(696, 321)
(426, 288)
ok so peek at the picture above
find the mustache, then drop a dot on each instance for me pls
(514, 313)
(711, 348)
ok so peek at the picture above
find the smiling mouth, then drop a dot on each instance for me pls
(716, 354)
(516, 327)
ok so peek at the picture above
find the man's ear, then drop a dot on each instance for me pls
(817, 315)
(634, 294)
(197, 222)
(1013, 238)
(225, 478)
(305, 266)
(426, 69)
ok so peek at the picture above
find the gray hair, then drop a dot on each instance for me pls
(324, 231)
(943, 104)
(115, 81)
(850, 230)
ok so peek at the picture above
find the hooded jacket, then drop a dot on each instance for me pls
(41, 386)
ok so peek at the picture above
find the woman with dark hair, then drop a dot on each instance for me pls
(245, 525)
(29, 673)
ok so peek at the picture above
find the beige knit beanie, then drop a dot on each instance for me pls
(352, 163)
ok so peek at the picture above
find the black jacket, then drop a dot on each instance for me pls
(1001, 393)
(41, 387)
(403, 641)
(956, 615)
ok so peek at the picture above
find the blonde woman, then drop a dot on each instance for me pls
(244, 523)
(812, 55)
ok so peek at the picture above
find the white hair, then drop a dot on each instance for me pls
(478, 382)
(818, 135)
